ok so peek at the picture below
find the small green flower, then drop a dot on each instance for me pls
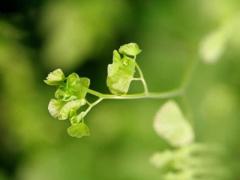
(55, 77)
(78, 130)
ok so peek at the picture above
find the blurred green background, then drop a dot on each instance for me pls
(38, 36)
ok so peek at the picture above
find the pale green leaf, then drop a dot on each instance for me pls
(130, 49)
(55, 77)
(78, 130)
(77, 86)
(171, 125)
(54, 107)
(69, 107)
(120, 74)
(213, 46)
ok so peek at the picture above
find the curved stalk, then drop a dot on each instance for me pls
(149, 95)
(142, 79)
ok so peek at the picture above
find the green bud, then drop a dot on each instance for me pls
(70, 107)
(78, 130)
(54, 107)
(55, 77)
(130, 49)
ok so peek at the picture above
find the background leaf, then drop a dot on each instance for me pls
(172, 126)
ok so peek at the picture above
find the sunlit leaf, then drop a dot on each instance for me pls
(63, 93)
(54, 107)
(130, 49)
(171, 125)
(77, 86)
(78, 130)
(120, 74)
(213, 46)
(70, 107)
(55, 77)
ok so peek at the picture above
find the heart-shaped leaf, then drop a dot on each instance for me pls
(171, 125)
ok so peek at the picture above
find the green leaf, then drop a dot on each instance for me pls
(120, 74)
(116, 56)
(55, 78)
(77, 118)
(213, 46)
(130, 49)
(64, 94)
(77, 86)
(70, 107)
(54, 107)
(171, 125)
(78, 130)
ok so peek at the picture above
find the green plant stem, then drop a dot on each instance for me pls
(91, 105)
(142, 79)
(149, 95)
(187, 78)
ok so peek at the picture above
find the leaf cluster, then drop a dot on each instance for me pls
(70, 100)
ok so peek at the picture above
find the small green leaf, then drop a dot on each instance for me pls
(77, 118)
(171, 125)
(64, 94)
(55, 78)
(120, 74)
(130, 49)
(213, 46)
(77, 86)
(78, 130)
(116, 56)
(54, 107)
(70, 107)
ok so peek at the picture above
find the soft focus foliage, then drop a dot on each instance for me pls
(79, 36)
(171, 125)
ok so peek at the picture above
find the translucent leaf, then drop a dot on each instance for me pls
(69, 107)
(55, 77)
(116, 56)
(120, 74)
(213, 46)
(77, 86)
(171, 125)
(54, 107)
(130, 49)
(78, 130)
(63, 94)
